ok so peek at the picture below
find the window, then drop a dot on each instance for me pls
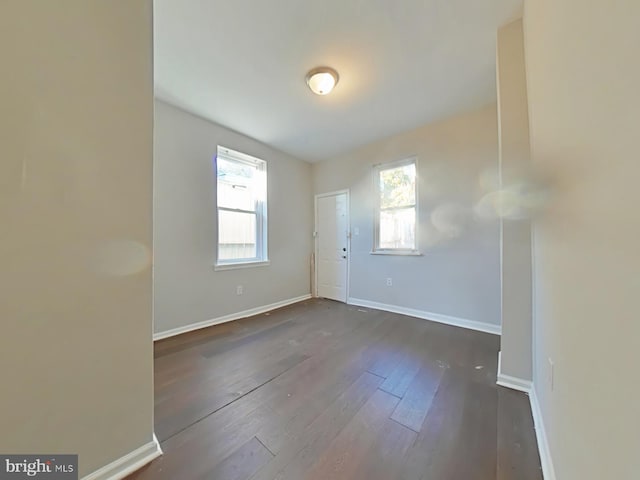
(242, 209)
(395, 220)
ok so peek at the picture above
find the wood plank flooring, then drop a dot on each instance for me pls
(320, 390)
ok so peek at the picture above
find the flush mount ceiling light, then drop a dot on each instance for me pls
(321, 80)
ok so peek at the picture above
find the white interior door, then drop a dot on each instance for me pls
(332, 247)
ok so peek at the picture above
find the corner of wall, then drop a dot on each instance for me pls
(546, 461)
(129, 463)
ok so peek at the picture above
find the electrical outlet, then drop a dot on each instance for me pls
(389, 282)
(356, 231)
(239, 290)
(550, 378)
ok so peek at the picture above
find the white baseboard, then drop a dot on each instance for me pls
(126, 465)
(435, 317)
(228, 318)
(548, 471)
(514, 383)
(527, 387)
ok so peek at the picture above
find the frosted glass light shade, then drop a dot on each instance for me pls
(322, 80)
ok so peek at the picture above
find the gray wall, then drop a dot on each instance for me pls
(517, 330)
(459, 274)
(582, 76)
(76, 357)
(187, 290)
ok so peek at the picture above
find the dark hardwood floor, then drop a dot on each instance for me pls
(321, 390)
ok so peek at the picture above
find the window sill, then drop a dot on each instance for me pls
(235, 266)
(402, 253)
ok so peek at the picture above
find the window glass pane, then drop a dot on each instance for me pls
(398, 186)
(241, 200)
(236, 235)
(236, 185)
(398, 228)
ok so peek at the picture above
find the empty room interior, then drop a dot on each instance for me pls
(348, 240)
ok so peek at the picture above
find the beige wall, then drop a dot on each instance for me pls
(515, 244)
(458, 275)
(187, 290)
(75, 209)
(583, 75)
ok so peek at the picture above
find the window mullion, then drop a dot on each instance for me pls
(237, 210)
(402, 207)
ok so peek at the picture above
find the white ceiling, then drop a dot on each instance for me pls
(402, 63)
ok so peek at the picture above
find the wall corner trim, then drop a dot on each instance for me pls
(129, 463)
(229, 318)
(514, 383)
(546, 461)
(526, 386)
(434, 317)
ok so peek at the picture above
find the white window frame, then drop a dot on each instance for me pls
(376, 216)
(262, 256)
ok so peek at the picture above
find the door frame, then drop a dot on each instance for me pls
(315, 238)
